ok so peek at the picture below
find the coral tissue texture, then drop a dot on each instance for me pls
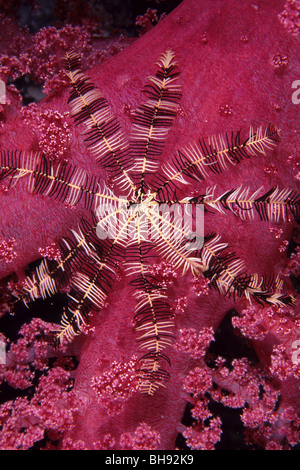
(227, 374)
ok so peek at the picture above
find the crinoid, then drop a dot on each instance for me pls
(155, 213)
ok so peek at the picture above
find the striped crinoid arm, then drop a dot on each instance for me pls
(174, 242)
(155, 327)
(212, 155)
(211, 258)
(103, 133)
(228, 274)
(153, 119)
(88, 293)
(89, 287)
(66, 183)
(80, 247)
(153, 317)
(274, 205)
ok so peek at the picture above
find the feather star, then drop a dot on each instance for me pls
(150, 216)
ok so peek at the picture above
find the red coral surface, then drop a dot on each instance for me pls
(234, 74)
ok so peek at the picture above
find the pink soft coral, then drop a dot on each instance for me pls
(266, 394)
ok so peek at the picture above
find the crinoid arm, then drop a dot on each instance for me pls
(80, 247)
(153, 119)
(274, 205)
(213, 260)
(92, 281)
(63, 182)
(103, 133)
(228, 274)
(213, 155)
(153, 317)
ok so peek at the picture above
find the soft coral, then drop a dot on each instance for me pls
(223, 72)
